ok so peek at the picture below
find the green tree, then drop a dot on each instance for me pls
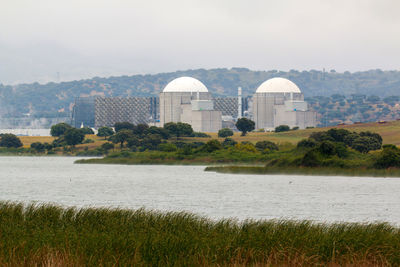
(245, 125)
(59, 129)
(282, 128)
(158, 130)
(38, 147)
(118, 126)
(179, 129)
(122, 136)
(107, 146)
(133, 142)
(225, 132)
(140, 129)
(86, 130)
(105, 131)
(73, 136)
(10, 140)
(151, 141)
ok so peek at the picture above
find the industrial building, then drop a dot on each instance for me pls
(188, 100)
(83, 112)
(279, 101)
(109, 110)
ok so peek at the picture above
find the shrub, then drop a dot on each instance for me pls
(200, 134)
(151, 141)
(212, 145)
(225, 132)
(321, 136)
(311, 159)
(282, 128)
(132, 141)
(327, 148)
(229, 142)
(107, 146)
(167, 147)
(246, 146)
(338, 135)
(307, 143)
(389, 157)
(263, 145)
(37, 146)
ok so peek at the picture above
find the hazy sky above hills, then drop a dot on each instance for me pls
(86, 38)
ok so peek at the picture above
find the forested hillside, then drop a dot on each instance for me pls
(56, 99)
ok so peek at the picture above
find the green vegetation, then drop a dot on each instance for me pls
(335, 151)
(10, 140)
(332, 152)
(105, 132)
(225, 132)
(50, 235)
(245, 125)
(282, 128)
(73, 136)
(59, 129)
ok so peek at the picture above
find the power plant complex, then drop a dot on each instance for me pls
(277, 101)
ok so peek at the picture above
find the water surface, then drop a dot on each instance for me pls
(189, 188)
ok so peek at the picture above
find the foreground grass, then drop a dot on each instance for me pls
(325, 171)
(54, 236)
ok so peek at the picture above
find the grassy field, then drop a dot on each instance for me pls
(390, 132)
(55, 236)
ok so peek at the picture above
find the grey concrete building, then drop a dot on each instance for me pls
(186, 99)
(279, 101)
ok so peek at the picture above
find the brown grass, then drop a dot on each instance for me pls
(55, 258)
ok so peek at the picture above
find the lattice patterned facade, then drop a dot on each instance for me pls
(109, 110)
(229, 105)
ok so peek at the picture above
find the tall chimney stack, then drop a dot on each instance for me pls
(239, 102)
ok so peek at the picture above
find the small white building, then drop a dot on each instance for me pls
(278, 101)
(187, 100)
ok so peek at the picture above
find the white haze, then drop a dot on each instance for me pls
(86, 38)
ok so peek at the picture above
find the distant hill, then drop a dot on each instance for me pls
(56, 99)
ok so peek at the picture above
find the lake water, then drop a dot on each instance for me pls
(189, 188)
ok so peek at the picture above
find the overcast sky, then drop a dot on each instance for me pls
(86, 38)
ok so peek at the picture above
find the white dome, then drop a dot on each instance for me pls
(185, 84)
(278, 85)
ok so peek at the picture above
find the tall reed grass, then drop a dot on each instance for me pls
(46, 235)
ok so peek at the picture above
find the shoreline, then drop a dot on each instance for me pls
(308, 171)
